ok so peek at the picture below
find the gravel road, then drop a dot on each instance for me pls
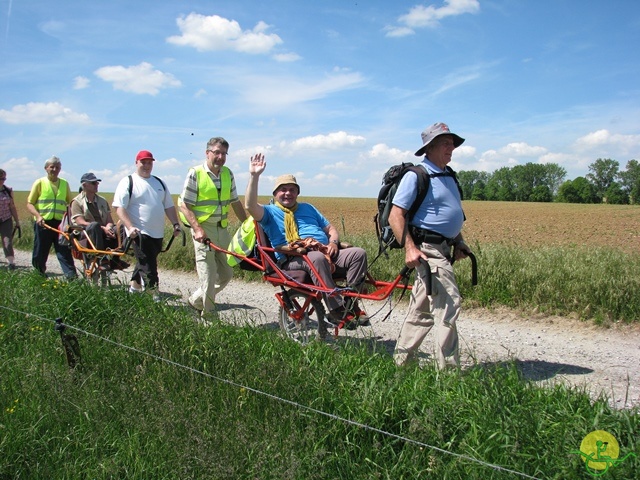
(547, 349)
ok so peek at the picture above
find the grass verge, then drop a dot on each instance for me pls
(160, 396)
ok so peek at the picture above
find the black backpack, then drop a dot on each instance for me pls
(390, 181)
(130, 188)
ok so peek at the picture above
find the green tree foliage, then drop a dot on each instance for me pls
(532, 182)
(471, 179)
(603, 173)
(630, 180)
(500, 186)
(615, 195)
(579, 190)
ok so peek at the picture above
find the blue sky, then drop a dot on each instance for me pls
(333, 91)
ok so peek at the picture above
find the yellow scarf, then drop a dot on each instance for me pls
(290, 226)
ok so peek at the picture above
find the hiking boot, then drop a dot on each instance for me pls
(118, 264)
(105, 265)
(363, 319)
(341, 315)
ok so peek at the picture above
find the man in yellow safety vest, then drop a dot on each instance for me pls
(48, 201)
(209, 190)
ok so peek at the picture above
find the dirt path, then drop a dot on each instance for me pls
(547, 349)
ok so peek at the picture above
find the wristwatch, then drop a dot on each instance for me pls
(176, 226)
(335, 241)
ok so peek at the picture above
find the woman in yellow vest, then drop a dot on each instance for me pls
(48, 202)
(209, 190)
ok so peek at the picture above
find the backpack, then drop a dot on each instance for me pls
(63, 227)
(390, 181)
(130, 189)
(244, 242)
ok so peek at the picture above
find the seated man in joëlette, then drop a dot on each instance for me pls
(92, 211)
(290, 223)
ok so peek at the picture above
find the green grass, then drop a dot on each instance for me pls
(187, 402)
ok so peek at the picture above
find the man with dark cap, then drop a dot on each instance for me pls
(92, 212)
(434, 230)
(286, 220)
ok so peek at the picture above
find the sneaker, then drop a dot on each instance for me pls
(193, 305)
(12, 266)
(135, 290)
(105, 264)
(363, 318)
(156, 297)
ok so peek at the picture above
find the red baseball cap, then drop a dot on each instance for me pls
(143, 155)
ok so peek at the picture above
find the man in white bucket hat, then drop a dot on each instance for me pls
(434, 240)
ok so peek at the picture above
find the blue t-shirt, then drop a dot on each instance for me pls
(311, 223)
(441, 210)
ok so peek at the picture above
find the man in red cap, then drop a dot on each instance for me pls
(433, 231)
(141, 201)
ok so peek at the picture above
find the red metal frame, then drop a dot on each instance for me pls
(273, 274)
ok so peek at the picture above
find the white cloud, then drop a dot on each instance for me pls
(429, 16)
(521, 149)
(332, 141)
(210, 33)
(287, 57)
(141, 79)
(604, 138)
(398, 31)
(282, 92)
(22, 170)
(80, 83)
(36, 112)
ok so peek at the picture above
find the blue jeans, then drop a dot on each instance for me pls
(43, 238)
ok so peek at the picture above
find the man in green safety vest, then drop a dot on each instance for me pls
(209, 190)
(48, 201)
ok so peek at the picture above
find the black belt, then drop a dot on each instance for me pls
(422, 235)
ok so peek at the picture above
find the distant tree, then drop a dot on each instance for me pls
(500, 185)
(554, 176)
(615, 195)
(541, 193)
(630, 180)
(478, 191)
(469, 179)
(603, 173)
(579, 190)
(567, 193)
(536, 177)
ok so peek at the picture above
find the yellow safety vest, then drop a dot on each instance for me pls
(49, 205)
(209, 198)
(242, 242)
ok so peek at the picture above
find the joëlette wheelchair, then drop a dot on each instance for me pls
(302, 314)
(97, 265)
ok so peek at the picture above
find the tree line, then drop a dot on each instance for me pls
(536, 182)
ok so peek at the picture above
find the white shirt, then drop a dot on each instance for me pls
(147, 205)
